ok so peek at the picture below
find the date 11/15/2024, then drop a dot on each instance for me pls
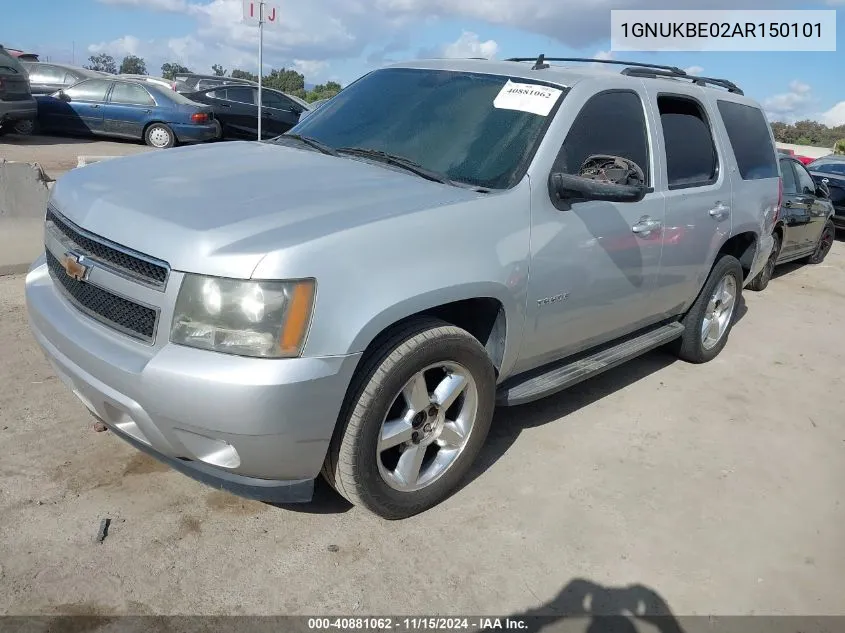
(403, 624)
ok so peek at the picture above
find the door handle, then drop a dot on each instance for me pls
(719, 211)
(646, 225)
(788, 204)
(95, 105)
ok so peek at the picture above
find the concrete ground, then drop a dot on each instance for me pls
(58, 154)
(718, 486)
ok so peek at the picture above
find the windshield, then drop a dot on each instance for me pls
(831, 167)
(444, 121)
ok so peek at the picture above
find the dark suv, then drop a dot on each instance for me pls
(17, 107)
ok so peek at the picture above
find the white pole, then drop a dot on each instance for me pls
(260, 60)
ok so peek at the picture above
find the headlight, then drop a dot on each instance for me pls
(268, 319)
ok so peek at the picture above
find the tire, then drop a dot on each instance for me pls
(365, 475)
(824, 244)
(763, 278)
(25, 127)
(160, 136)
(692, 346)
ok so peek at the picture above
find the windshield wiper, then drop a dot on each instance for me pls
(398, 161)
(310, 142)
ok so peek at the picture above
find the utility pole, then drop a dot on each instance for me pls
(260, 60)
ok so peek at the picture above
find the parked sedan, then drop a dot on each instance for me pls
(830, 171)
(805, 229)
(45, 79)
(128, 109)
(235, 108)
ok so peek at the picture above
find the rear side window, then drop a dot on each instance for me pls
(691, 159)
(748, 132)
(609, 123)
(131, 94)
(241, 95)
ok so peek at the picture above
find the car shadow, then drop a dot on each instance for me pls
(47, 139)
(602, 609)
(786, 269)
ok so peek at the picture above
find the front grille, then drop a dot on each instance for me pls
(124, 315)
(136, 267)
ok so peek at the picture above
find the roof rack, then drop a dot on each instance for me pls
(634, 69)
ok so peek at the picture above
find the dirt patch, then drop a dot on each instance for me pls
(143, 464)
(190, 525)
(219, 501)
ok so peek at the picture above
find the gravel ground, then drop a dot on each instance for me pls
(719, 487)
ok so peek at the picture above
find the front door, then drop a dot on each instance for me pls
(817, 209)
(594, 265)
(279, 113)
(795, 211)
(84, 111)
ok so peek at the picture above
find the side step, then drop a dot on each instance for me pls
(533, 385)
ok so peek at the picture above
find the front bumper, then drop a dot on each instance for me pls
(195, 133)
(764, 249)
(259, 428)
(18, 110)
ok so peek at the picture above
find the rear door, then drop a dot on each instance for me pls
(83, 112)
(794, 213)
(128, 109)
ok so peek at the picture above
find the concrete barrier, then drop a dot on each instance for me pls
(24, 190)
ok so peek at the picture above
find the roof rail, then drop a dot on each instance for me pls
(539, 62)
(634, 69)
(696, 79)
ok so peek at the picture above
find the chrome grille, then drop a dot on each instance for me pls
(121, 314)
(134, 265)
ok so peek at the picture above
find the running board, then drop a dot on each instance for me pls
(534, 386)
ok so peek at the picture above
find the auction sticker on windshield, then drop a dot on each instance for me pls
(532, 98)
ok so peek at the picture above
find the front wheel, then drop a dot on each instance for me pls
(415, 418)
(160, 136)
(711, 317)
(824, 244)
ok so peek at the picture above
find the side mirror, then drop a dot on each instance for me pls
(62, 95)
(607, 178)
(822, 190)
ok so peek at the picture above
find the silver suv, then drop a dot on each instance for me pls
(17, 105)
(356, 296)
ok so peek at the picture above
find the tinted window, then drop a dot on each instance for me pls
(748, 132)
(209, 83)
(216, 94)
(829, 168)
(241, 95)
(806, 184)
(272, 100)
(690, 152)
(788, 175)
(444, 120)
(89, 90)
(130, 94)
(609, 123)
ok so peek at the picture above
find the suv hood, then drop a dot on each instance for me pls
(219, 209)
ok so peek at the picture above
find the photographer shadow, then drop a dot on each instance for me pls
(583, 606)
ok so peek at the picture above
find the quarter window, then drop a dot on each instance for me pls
(611, 123)
(748, 132)
(691, 159)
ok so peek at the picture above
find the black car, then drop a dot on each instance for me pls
(805, 229)
(192, 82)
(830, 171)
(235, 108)
(47, 78)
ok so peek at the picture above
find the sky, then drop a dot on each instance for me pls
(340, 40)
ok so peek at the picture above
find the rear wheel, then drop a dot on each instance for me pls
(824, 244)
(415, 419)
(765, 276)
(25, 128)
(160, 136)
(708, 323)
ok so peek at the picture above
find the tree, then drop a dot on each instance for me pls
(808, 133)
(219, 70)
(839, 147)
(103, 63)
(133, 65)
(285, 80)
(242, 74)
(323, 91)
(169, 69)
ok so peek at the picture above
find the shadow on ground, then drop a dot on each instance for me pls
(584, 606)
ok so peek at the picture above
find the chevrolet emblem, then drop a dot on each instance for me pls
(74, 268)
